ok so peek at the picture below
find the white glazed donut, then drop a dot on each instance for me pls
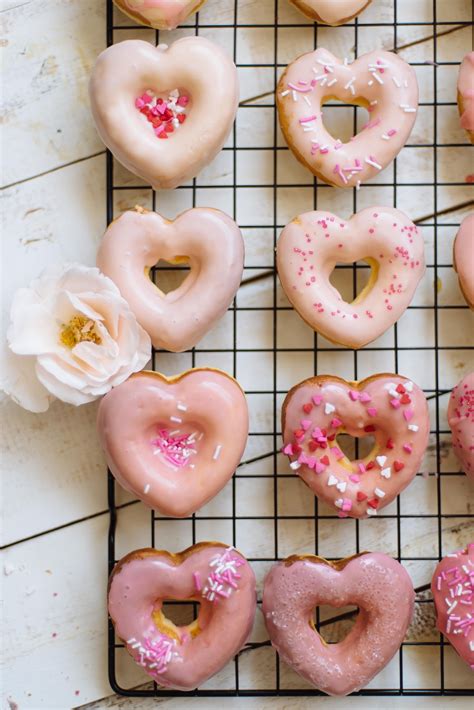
(160, 14)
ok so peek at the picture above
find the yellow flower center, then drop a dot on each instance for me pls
(79, 329)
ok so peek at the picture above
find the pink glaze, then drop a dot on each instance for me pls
(331, 12)
(461, 423)
(160, 14)
(452, 587)
(174, 442)
(377, 584)
(313, 243)
(200, 70)
(464, 258)
(379, 80)
(145, 578)
(466, 93)
(388, 407)
(214, 248)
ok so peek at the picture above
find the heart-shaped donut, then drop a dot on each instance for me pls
(313, 243)
(377, 584)
(389, 408)
(463, 258)
(174, 442)
(159, 14)
(141, 94)
(379, 81)
(465, 94)
(461, 423)
(331, 12)
(207, 239)
(452, 587)
(183, 657)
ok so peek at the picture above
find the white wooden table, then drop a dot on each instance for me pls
(55, 519)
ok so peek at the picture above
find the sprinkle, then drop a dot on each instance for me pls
(182, 407)
(354, 395)
(288, 449)
(398, 466)
(354, 478)
(295, 465)
(307, 119)
(371, 161)
(379, 493)
(217, 452)
(395, 403)
(371, 511)
(146, 489)
(285, 93)
(197, 581)
(381, 460)
(329, 408)
(339, 503)
(305, 98)
(341, 486)
(386, 473)
(295, 97)
(336, 423)
(408, 448)
(358, 185)
(306, 423)
(408, 414)
(374, 102)
(337, 452)
(364, 397)
(331, 83)
(176, 419)
(299, 89)
(408, 385)
(372, 412)
(332, 480)
(317, 399)
(396, 82)
(377, 77)
(413, 427)
(410, 110)
(361, 496)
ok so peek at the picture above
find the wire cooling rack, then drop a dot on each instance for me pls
(265, 510)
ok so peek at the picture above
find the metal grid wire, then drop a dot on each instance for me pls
(275, 685)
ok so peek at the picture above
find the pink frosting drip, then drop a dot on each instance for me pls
(453, 593)
(466, 89)
(461, 422)
(377, 584)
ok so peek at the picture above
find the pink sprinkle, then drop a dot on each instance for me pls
(347, 504)
(159, 129)
(408, 448)
(146, 98)
(298, 88)
(408, 414)
(362, 468)
(197, 581)
(311, 462)
(183, 101)
(354, 395)
(336, 422)
(342, 515)
(319, 467)
(317, 399)
(139, 103)
(307, 119)
(288, 450)
(372, 411)
(337, 452)
(364, 397)
(324, 150)
(391, 132)
(354, 478)
(395, 403)
(305, 424)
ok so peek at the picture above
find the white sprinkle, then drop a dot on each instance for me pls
(132, 640)
(137, 644)
(374, 102)
(393, 392)
(350, 82)
(369, 83)
(146, 489)
(332, 82)
(385, 137)
(471, 645)
(395, 81)
(295, 97)
(329, 408)
(413, 427)
(377, 78)
(217, 452)
(408, 386)
(386, 473)
(373, 163)
(285, 93)
(176, 419)
(341, 486)
(305, 98)
(371, 511)
(319, 77)
(174, 432)
(339, 503)
(332, 480)
(381, 460)
(452, 607)
(326, 65)
(379, 493)
(309, 128)
(182, 407)
(409, 110)
(294, 465)
(358, 185)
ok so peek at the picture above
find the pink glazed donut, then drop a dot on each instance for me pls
(379, 81)
(375, 583)
(331, 12)
(461, 423)
(452, 587)
(159, 14)
(314, 242)
(388, 407)
(466, 94)
(207, 239)
(165, 113)
(174, 442)
(463, 258)
(183, 657)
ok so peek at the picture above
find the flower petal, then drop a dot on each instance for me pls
(19, 381)
(62, 391)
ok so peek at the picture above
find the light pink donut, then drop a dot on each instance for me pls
(452, 587)
(314, 242)
(388, 407)
(466, 94)
(160, 14)
(461, 423)
(377, 584)
(331, 12)
(183, 657)
(207, 239)
(174, 442)
(380, 81)
(463, 258)
(187, 93)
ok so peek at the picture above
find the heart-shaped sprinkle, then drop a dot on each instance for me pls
(312, 244)
(307, 408)
(375, 583)
(184, 459)
(183, 657)
(336, 473)
(329, 408)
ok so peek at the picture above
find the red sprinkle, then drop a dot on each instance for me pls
(374, 502)
(307, 408)
(401, 389)
(369, 428)
(398, 465)
(390, 444)
(325, 460)
(361, 496)
(405, 399)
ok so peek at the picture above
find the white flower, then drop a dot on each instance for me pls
(74, 337)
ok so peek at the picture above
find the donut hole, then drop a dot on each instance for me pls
(179, 619)
(343, 121)
(169, 275)
(334, 624)
(164, 113)
(354, 280)
(356, 448)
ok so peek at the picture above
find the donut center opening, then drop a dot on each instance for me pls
(165, 112)
(181, 620)
(334, 624)
(357, 448)
(355, 280)
(169, 275)
(176, 442)
(343, 121)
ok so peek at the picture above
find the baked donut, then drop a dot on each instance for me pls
(452, 587)
(309, 249)
(461, 423)
(164, 112)
(463, 258)
(466, 94)
(331, 12)
(174, 442)
(379, 81)
(159, 14)
(218, 577)
(390, 408)
(376, 583)
(207, 239)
